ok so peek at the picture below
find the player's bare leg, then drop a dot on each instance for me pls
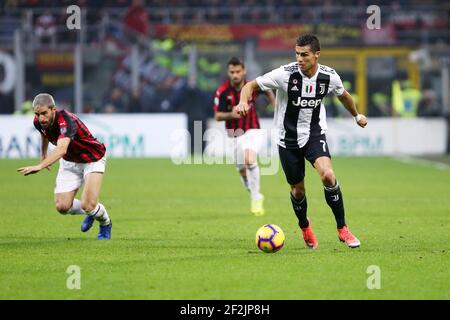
(300, 205)
(325, 169)
(91, 192)
(253, 176)
(333, 196)
(66, 203)
(94, 209)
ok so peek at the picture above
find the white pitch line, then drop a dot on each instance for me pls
(428, 163)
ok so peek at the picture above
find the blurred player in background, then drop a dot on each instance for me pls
(245, 131)
(301, 123)
(82, 160)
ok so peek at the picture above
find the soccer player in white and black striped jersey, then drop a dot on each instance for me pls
(300, 119)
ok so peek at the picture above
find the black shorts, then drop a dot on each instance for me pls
(293, 160)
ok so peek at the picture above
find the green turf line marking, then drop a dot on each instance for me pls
(422, 162)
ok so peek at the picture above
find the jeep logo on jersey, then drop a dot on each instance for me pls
(307, 103)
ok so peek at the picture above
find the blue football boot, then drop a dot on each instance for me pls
(87, 223)
(105, 232)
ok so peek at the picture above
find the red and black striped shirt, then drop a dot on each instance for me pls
(83, 147)
(224, 101)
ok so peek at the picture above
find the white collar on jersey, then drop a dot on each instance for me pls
(306, 77)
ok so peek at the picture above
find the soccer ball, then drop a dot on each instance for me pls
(270, 238)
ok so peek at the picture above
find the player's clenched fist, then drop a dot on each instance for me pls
(361, 120)
(242, 109)
(235, 114)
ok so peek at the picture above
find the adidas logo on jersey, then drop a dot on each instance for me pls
(294, 88)
(307, 103)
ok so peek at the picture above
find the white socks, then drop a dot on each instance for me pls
(253, 181)
(244, 181)
(100, 214)
(76, 208)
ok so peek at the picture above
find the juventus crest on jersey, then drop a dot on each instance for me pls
(300, 112)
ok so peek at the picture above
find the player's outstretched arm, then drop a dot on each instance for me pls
(44, 149)
(246, 92)
(225, 116)
(271, 97)
(57, 153)
(347, 100)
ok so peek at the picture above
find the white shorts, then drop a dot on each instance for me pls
(252, 139)
(71, 175)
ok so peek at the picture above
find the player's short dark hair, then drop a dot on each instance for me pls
(43, 99)
(234, 61)
(309, 40)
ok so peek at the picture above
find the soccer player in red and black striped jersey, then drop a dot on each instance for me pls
(245, 131)
(82, 160)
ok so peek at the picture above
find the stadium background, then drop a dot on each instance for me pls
(138, 71)
(170, 57)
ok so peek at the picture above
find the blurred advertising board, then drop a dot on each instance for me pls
(381, 137)
(125, 135)
(268, 36)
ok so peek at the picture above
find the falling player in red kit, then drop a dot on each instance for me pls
(82, 160)
(245, 131)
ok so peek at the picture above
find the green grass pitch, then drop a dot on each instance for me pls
(185, 232)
